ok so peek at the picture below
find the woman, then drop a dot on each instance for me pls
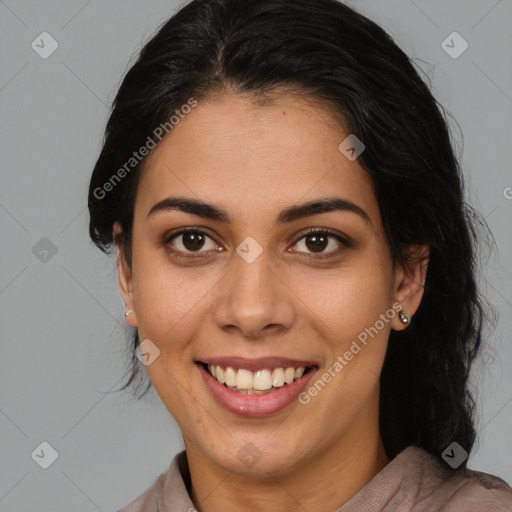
(295, 254)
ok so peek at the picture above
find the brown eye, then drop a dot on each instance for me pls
(317, 241)
(193, 241)
(190, 241)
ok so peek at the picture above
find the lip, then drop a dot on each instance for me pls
(255, 405)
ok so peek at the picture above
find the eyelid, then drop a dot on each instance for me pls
(181, 231)
(188, 229)
(328, 231)
(342, 239)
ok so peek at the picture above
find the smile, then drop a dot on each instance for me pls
(255, 387)
(258, 382)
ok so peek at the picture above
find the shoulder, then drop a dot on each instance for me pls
(169, 490)
(464, 490)
(144, 503)
(475, 491)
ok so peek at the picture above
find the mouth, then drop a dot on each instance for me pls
(259, 382)
(255, 387)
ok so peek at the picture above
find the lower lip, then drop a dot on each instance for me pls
(255, 405)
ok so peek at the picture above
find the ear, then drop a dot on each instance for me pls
(409, 282)
(124, 277)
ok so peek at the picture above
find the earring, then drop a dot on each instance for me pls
(128, 312)
(404, 318)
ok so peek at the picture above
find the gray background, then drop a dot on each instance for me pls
(62, 328)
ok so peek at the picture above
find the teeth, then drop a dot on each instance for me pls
(244, 379)
(262, 380)
(230, 377)
(289, 375)
(221, 375)
(278, 378)
(255, 383)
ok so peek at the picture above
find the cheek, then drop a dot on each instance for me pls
(164, 299)
(346, 301)
(168, 305)
(352, 312)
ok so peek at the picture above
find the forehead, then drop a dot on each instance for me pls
(254, 159)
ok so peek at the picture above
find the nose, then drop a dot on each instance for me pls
(252, 299)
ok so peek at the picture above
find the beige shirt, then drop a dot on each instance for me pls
(414, 481)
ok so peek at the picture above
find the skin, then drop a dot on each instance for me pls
(253, 161)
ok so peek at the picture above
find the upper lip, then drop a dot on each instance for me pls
(255, 364)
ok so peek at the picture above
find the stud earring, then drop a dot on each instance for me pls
(404, 318)
(128, 312)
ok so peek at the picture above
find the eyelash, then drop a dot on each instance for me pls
(322, 231)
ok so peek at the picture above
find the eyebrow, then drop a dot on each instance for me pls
(290, 214)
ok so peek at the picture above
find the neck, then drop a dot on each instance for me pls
(323, 483)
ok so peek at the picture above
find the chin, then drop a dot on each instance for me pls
(256, 455)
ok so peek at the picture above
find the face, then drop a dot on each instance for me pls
(261, 287)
